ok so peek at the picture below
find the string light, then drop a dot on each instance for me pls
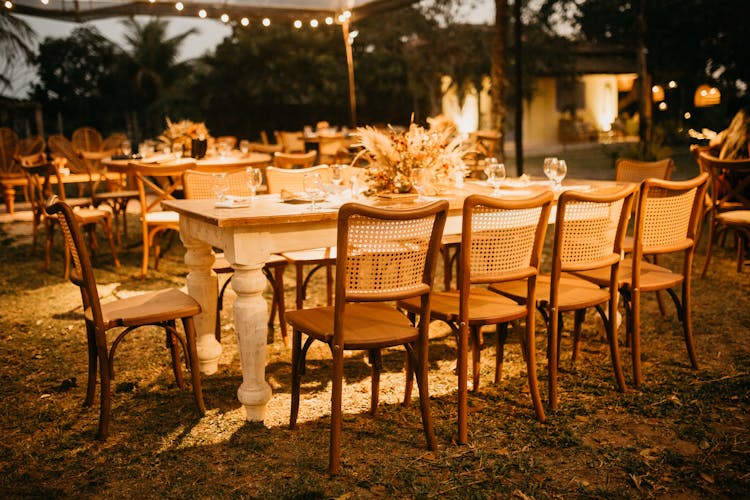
(45, 2)
(244, 21)
(179, 6)
(329, 20)
(298, 24)
(224, 18)
(202, 13)
(8, 4)
(314, 23)
(266, 22)
(151, 1)
(672, 84)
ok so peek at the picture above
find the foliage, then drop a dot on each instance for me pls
(16, 38)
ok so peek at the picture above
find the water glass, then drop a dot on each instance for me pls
(220, 185)
(560, 173)
(419, 179)
(495, 173)
(313, 185)
(254, 180)
(244, 146)
(336, 174)
(550, 167)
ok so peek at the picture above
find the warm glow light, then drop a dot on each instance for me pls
(266, 21)
(314, 23)
(179, 6)
(8, 4)
(45, 2)
(151, 1)
(657, 93)
(224, 18)
(662, 106)
(244, 21)
(298, 24)
(329, 20)
(342, 18)
(347, 14)
(706, 96)
(672, 84)
(202, 13)
(687, 115)
(625, 82)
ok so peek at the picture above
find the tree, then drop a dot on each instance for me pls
(499, 61)
(16, 38)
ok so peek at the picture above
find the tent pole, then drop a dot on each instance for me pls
(350, 68)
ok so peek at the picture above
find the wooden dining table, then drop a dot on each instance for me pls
(248, 235)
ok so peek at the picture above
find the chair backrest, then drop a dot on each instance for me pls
(294, 160)
(589, 229)
(502, 240)
(292, 180)
(729, 182)
(630, 170)
(667, 215)
(113, 143)
(8, 151)
(293, 142)
(386, 254)
(61, 147)
(485, 142)
(332, 146)
(82, 273)
(199, 185)
(31, 145)
(87, 139)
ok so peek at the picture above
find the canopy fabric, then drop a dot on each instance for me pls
(280, 10)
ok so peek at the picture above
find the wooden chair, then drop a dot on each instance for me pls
(11, 175)
(502, 241)
(730, 203)
(589, 232)
(31, 145)
(294, 160)
(44, 180)
(384, 255)
(292, 142)
(159, 308)
(667, 217)
(284, 180)
(112, 144)
(87, 139)
(630, 170)
(197, 184)
(333, 148)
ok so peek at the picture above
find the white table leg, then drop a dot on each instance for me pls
(203, 286)
(250, 311)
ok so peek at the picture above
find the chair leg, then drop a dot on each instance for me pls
(174, 350)
(709, 249)
(445, 253)
(296, 376)
(462, 372)
(528, 345)
(334, 458)
(281, 302)
(580, 315)
(611, 324)
(192, 355)
(501, 334)
(93, 363)
(421, 359)
(107, 225)
(409, 369)
(552, 349)
(105, 396)
(687, 323)
(376, 363)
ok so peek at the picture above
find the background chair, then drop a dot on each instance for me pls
(589, 231)
(292, 142)
(502, 241)
(730, 203)
(294, 160)
(43, 179)
(667, 216)
(197, 185)
(384, 255)
(630, 170)
(333, 148)
(11, 175)
(161, 308)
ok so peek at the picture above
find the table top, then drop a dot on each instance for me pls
(268, 210)
(161, 162)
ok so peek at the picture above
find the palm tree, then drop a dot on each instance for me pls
(153, 71)
(499, 82)
(16, 38)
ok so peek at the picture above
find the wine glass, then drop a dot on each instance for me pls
(313, 186)
(419, 181)
(495, 175)
(560, 172)
(254, 180)
(244, 147)
(177, 149)
(219, 185)
(550, 167)
(336, 174)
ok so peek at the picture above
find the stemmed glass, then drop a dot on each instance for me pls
(495, 175)
(244, 147)
(419, 181)
(336, 174)
(550, 167)
(562, 170)
(219, 185)
(254, 180)
(313, 186)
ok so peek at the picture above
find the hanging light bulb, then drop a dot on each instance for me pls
(329, 20)
(314, 23)
(179, 6)
(297, 24)
(266, 22)
(8, 4)
(202, 13)
(224, 18)
(244, 21)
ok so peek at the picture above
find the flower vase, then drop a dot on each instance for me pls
(198, 148)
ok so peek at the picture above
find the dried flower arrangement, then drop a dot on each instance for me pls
(183, 131)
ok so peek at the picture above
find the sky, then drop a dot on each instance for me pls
(211, 32)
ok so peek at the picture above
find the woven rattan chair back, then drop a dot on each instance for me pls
(113, 143)
(61, 147)
(294, 160)
(291, 180)
(630, 170)
(32, 145)
(87, 139)
(199, 185)
(9, 143)
(292, 142)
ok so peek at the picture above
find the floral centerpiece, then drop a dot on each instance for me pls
(183, 132)
(392, 155)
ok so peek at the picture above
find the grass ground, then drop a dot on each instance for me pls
(684, 434)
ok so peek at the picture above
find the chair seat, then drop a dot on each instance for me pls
(312, 256)
(485, 307)
(115, 195)
(89, 215)
(164, 217)
(734, 217)
(575, 293)
(148, 308)
(361, 332)
(451, 239)
(653, 277)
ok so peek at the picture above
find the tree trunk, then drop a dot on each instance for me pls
(499, 84)
(644, 82)
(517, 35)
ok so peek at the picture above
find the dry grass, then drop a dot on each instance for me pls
(685, 434)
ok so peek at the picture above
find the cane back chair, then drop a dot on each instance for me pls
(502, 241)
(159, 308)
(384, 255)
(589, 233)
